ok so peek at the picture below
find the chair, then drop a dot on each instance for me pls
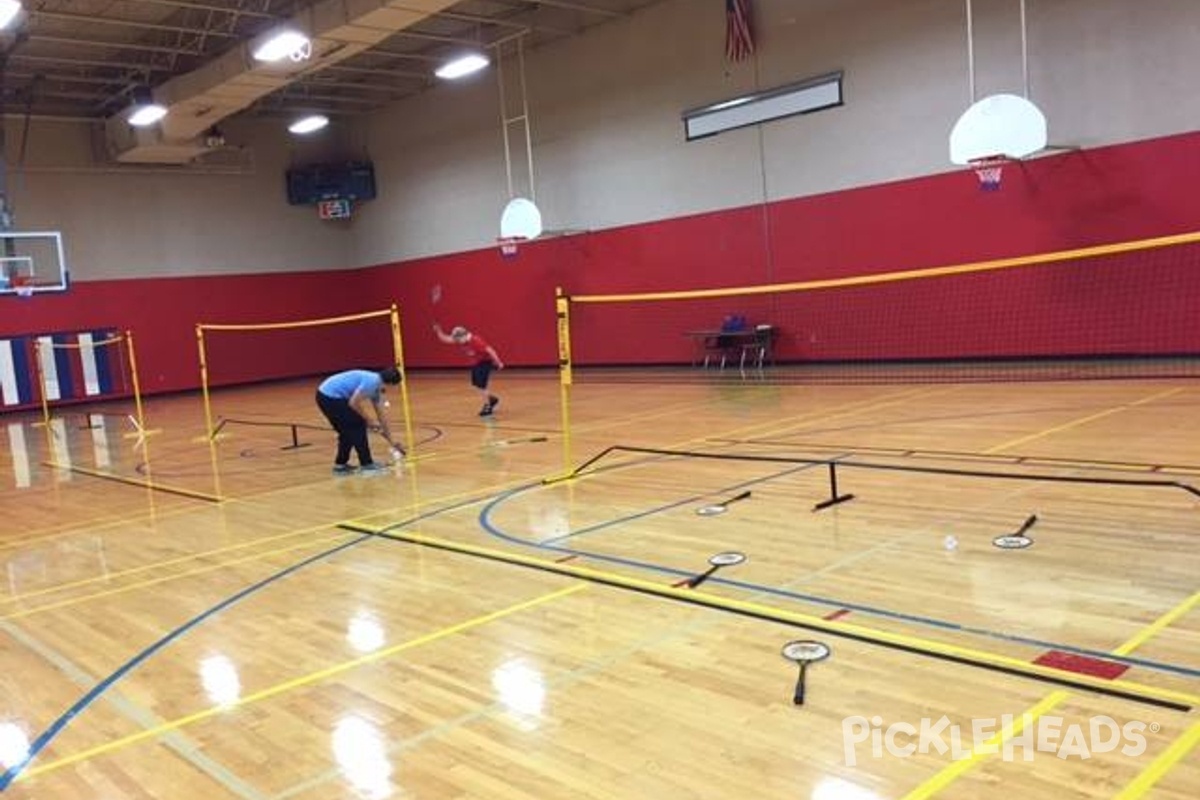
(757, 349)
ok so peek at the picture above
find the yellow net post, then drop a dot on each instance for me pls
(562, 309)
(137, 385)
(208, 422)
(41, 379)
(398, 353)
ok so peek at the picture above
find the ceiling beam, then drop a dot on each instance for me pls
(207, 7)
(87, 62)
(90, 19)
(145, 48)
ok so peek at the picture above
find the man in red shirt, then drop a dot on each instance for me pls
(484, 359)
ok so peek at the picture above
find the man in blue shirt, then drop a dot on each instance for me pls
(351, 401)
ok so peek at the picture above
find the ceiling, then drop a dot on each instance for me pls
(83, 58)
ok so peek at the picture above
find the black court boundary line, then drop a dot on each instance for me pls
(437, 432)
(908, 452)
(833, 463)
(157, 487)
(715, 603)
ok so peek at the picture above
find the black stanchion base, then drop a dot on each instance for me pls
(833, 501)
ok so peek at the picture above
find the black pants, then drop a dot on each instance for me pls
(350, 426)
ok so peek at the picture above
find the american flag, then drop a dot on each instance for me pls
(739, 39)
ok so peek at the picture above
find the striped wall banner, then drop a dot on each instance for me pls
(48, 367)
(16, 382)
(102, 357)
(66, 360)
(74, 365)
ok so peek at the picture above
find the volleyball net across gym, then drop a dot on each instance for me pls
(1120, 310)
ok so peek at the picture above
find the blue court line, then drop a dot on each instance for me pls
(48, 735)
(486, 523)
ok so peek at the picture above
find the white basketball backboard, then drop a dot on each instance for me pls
(999, 125)
(521, 220)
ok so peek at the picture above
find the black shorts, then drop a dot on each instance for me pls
(480, 374)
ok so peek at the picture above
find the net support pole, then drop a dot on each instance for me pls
(562, 310)
(834, 497)
(398, 354)
(208, 423)
(137, 385)
(296, 443)
(41, 381)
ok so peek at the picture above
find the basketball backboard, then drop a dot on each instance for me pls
(32, 261)
(1000, 125)
(521, 220)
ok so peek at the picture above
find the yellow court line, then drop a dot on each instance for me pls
(84, 527)
(206, 553)
(1081, 421)
(775, 427)
(949, 774)
(1154, 628)
(957, 769)
(295, 683)
(58, 587)
(28, 612)
(868, 635)
(1162, 765)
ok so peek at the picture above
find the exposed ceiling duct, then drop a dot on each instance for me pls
(198, 100)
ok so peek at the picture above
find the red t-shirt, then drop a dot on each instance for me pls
(476, 348)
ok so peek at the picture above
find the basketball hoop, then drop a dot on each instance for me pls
(508, 246)
(990, 171)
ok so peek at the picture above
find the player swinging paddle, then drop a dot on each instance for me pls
(484, 358)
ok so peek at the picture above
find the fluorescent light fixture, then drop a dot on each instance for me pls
(313, 122)
(462, 66)
(147, 114)
(815, 94)
(281, 45)
(8, 12)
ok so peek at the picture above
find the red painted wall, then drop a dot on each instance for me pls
(1144, 303)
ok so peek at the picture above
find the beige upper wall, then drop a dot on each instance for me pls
(605, 109)
(121, 221)
(607, 137)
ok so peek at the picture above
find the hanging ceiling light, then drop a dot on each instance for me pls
(462, 66)
(282, 44)
(309, 124)
(144, 111)
(9, 9)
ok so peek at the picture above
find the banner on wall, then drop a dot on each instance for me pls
(72, 365)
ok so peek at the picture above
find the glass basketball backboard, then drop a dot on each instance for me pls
(32, 261)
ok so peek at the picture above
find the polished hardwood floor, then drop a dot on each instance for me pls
(201, 620)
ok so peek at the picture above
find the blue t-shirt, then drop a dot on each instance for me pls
(345, 384)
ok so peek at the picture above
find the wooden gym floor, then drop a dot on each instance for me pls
(192, 622)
